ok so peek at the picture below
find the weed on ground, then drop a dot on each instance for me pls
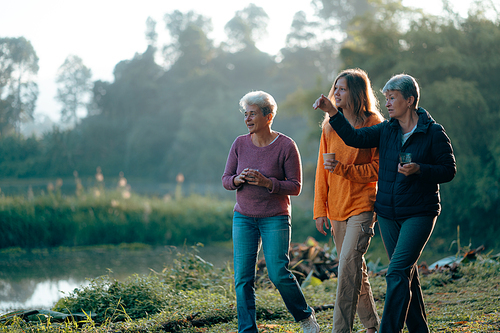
(193, 296)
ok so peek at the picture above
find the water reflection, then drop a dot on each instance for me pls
(44, 295)
(37, 280)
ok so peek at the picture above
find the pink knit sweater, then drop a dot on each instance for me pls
(279, 161)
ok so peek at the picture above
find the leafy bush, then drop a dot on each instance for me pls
(140, 296)
(133, 298)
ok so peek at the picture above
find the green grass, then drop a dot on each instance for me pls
(95, 216)
(53, 220)
(193, 296)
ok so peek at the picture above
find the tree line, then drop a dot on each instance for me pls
(174, 107)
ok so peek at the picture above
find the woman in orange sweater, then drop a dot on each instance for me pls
(344, 195)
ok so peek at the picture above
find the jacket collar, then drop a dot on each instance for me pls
(424, 121)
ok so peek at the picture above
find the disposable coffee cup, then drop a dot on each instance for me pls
(328, 156)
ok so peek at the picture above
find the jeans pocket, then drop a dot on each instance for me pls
(364, 237)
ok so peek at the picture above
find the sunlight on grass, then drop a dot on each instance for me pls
(191, 295)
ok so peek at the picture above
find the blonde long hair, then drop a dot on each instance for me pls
(362, 99)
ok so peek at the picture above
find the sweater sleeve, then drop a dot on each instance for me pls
(364, 171)
(292, 184)
(230, 172)
(360, 173)
(321, 182)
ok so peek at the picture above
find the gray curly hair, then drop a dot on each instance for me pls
(262, 99)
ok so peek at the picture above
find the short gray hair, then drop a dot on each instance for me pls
(262, 99)
(406, 85)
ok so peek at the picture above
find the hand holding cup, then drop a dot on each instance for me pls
(329, 161)
(406, 166)
(404, 158)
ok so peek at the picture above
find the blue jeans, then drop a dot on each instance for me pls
(274, 234)
(404, 241)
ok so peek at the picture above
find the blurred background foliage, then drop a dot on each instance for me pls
(174, 108)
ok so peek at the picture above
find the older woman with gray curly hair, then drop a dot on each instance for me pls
(264, 168)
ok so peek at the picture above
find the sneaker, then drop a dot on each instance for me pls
(310, 325)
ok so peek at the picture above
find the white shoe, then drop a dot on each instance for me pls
(310, 325)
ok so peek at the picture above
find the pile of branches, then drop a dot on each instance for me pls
(307, 259)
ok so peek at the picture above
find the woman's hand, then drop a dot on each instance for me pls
(323, 221)
(330, 164)
(254, 177)
(240, 179)
(324, 104)
(409, 168)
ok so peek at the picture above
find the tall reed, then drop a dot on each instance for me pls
(53, 220)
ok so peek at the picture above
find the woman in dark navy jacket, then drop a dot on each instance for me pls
(408, 201)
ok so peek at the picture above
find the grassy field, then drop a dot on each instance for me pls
(193, 296)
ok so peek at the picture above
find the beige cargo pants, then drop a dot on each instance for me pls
(352, 238)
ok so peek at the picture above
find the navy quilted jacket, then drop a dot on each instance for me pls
(399, 196)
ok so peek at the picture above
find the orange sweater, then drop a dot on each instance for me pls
(350, 189)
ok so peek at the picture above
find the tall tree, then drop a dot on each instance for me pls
(134, 92)
(18, 90)
(309, 55)
(455, 60)
(189, 42)
(151, 35)
(340, 13)
(246, 27)
(74, 87)
(303, 32)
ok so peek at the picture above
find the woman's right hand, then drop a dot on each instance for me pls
(330, 165)
(240, 179)
(324, 104)
(320, 222)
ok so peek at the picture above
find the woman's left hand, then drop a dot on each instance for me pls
(254, 177)
(409, 168)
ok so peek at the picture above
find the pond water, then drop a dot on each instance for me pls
(38, 279)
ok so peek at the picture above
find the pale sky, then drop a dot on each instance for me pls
(104, 32)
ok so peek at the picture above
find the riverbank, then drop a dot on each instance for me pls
(37, 278)
(193, 296)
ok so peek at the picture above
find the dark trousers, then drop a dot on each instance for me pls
(404, 241)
